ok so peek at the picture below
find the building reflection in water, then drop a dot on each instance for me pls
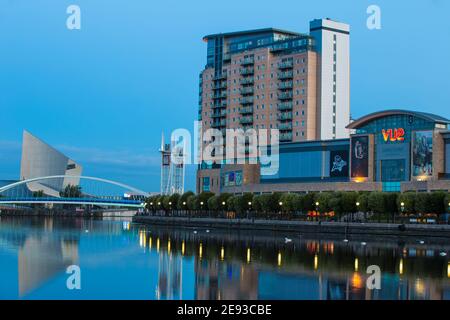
(234, 267)
(41, 255)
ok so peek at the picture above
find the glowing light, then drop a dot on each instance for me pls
(157, 244)
(249, 203)
(279, 259)
(359, 179)
(150, 241)
(141, 241)
(168, 246)
(223, 203)
(316, 262)
(356, 264)
(448, 270)
(248, 255)
(419, 287)
(182, 248)
(280, 203)
(357, 281)
(400, 266)
(200, 250)
(222, 253)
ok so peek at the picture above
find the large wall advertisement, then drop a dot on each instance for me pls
(422, 153)
(360, 157)
(339, 163)
(232, 178)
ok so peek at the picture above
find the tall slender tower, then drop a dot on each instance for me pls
(172, 172)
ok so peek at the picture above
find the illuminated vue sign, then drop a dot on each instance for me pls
(393, 134)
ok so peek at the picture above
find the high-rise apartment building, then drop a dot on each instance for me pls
(332, 45)
(277, 79)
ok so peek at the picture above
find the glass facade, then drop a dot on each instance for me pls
(393, 136)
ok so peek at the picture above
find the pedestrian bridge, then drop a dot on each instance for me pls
(72, 190)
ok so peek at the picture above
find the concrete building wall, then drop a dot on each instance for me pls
(333, 45)
(41, 160)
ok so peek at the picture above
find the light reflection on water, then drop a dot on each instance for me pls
(121, 260)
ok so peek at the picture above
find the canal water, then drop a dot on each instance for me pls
(121, 260)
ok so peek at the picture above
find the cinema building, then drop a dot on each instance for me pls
(391, 150)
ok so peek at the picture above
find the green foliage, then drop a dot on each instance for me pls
(423, 202)
(191, 202)
(298, 202)
(213, 203)
(287, 202)
(437, 199)
(447, 202)
(376, 202)
(363, 200)
(323, 199)
(390, 202)
(182, 202)
(38, 194)
(71, 191)
(309, 202)
(348, 202)
(409, 202)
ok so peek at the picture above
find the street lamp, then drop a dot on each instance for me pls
(402, 205)
(317, 209)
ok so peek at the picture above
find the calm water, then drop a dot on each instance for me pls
(121, 260)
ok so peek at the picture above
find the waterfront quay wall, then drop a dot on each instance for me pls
(305, 227)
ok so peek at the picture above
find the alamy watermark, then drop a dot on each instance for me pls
(227, 146)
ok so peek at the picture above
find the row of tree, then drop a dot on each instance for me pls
(337, 202)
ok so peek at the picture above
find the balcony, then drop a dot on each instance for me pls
(286, 137)
(246, 100)
(285, 126)
(288, 64)
(285, 85)
(220, 104)
(246, 81)
(285, 106)
(246, 120)
(220, 85)
(247, 71)
(246, 90)
(248, 61)
(219, 123)
(285, 96)
(220, 95)
(284, 116)
(221, 76)
(285, 75)
(246, 110)
(219, 114)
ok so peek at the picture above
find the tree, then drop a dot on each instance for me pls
(323, 199)
(408, 199)
(287, 202)
(363, 201)
(38, 194)
(309, 202)
(447, 202)
(390, 202)
(298, 202)
(213, 203)
(71, 191)
(423, 202)
(437, 199)
(376, 202)
(182, 201)
(191, 202)
(348, 203)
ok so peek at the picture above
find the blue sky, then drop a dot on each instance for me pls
(104, 93)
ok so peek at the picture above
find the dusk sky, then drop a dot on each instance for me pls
(103, 94)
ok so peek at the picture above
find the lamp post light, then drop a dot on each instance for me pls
(357, 207)
(317, 210)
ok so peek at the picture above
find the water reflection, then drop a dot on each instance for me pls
(120, 260)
